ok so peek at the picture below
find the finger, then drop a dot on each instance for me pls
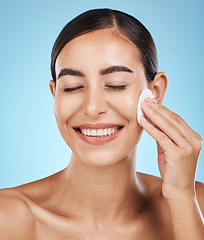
(189, 135)
(184, 128)
(169, 128)
(158, 135)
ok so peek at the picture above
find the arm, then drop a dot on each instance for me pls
(178, 150)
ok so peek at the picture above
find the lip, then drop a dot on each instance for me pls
(98, 140)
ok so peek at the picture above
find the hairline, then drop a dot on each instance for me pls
(115, 30)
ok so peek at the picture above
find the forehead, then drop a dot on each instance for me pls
(99, 49)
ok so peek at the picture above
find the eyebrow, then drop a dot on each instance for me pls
(112, 69)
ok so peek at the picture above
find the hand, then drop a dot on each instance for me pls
(178, 149)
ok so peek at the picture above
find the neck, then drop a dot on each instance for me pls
(106, 192)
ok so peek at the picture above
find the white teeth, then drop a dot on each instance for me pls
(112, 130)
(88, 132)
(109, 131)
(93, 132)
(105, 131)
(99, 132)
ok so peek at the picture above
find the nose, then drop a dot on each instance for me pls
(95, 102)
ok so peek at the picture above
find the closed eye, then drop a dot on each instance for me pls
(111, 87)
(117, 88)
(72, 89)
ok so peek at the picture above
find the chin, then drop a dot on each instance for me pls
(102, 158)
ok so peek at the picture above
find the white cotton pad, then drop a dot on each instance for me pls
(144, 94)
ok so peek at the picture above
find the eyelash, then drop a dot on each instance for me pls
(113, 88)
(117, 88)
(72, 89)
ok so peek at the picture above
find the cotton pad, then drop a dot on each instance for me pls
(144, 94)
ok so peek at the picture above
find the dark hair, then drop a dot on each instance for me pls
(123, 23)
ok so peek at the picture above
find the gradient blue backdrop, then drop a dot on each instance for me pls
(31, 146)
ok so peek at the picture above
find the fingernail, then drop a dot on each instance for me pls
(145, 105)
(149, 100)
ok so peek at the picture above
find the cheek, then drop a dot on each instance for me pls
(126, 104)
(130, 106)
(65, 107)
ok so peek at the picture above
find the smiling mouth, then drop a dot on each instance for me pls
(103, 132)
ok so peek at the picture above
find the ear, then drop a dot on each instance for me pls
(52, 87)
(159, 86)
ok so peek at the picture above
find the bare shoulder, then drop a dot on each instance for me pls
(22, 207)
(16, 218)
(200, 195)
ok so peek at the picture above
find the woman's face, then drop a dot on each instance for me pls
(106, 76)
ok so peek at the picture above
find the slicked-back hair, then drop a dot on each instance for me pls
(123, 23)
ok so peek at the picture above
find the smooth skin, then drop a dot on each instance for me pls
(99, 195)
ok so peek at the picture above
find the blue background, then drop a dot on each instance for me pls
(31, 146)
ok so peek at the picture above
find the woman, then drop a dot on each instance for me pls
(101, 62)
